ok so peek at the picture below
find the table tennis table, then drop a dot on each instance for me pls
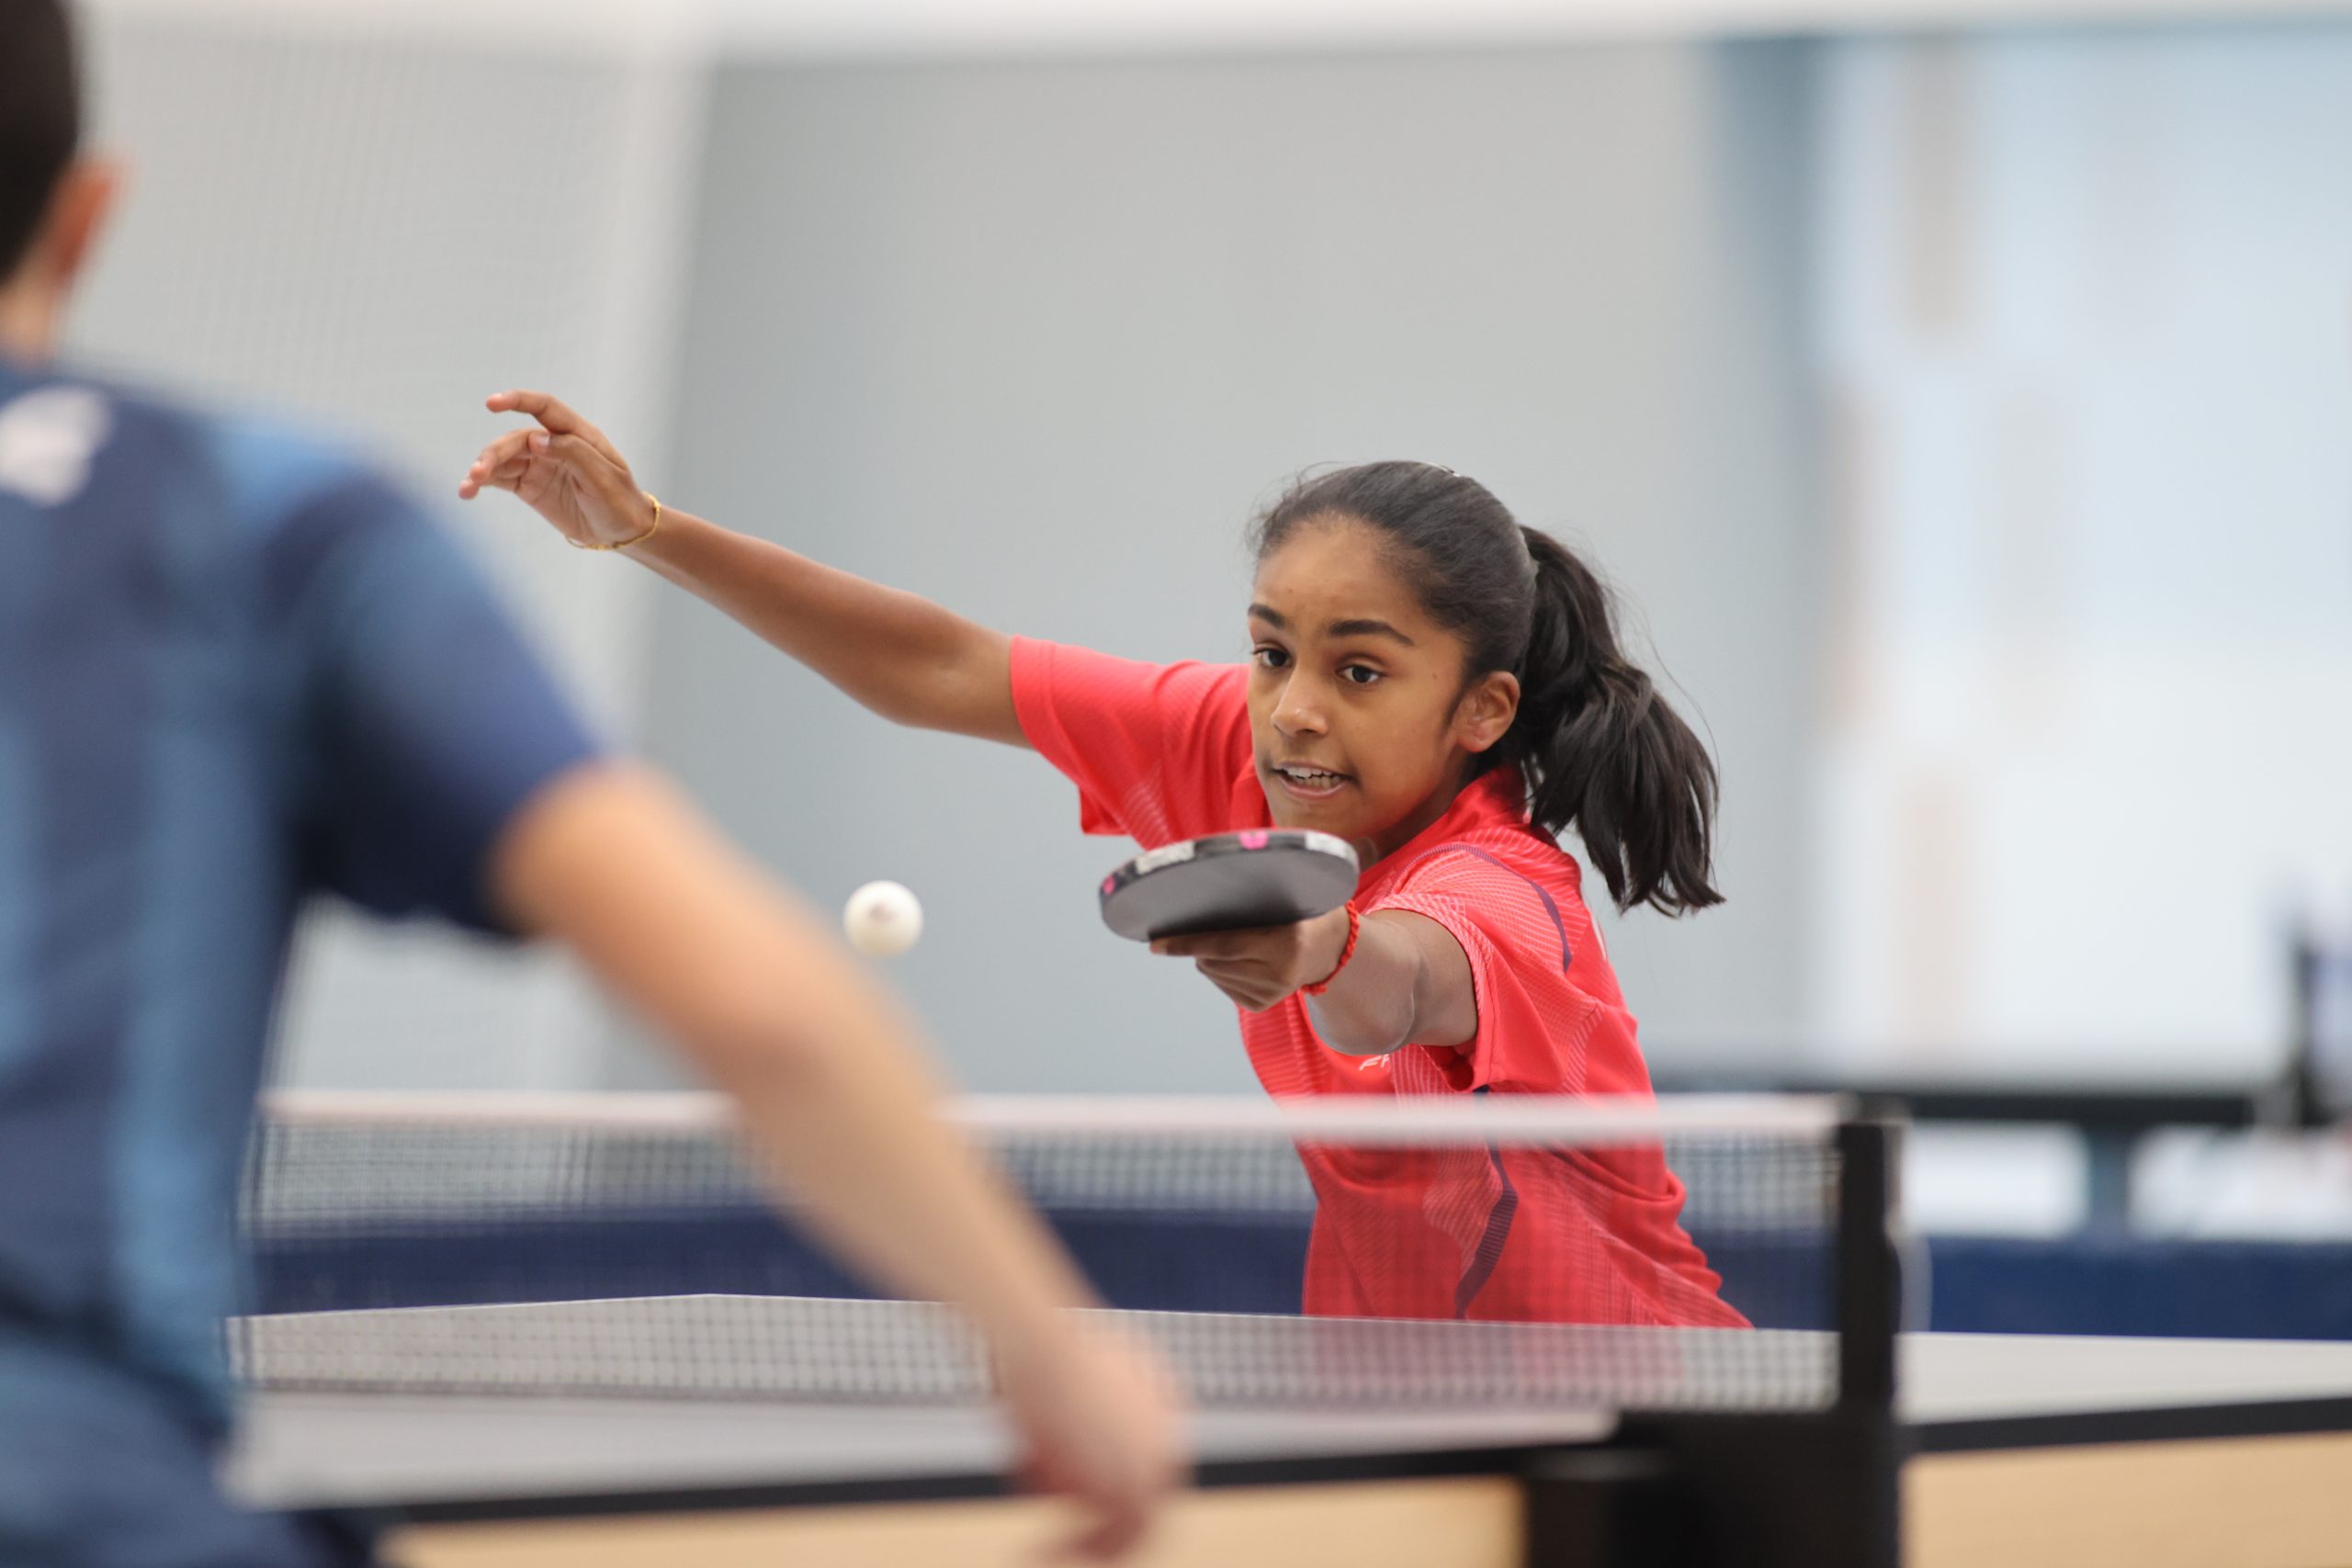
(2015, 1451)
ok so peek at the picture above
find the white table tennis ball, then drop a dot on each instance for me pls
(882, 919)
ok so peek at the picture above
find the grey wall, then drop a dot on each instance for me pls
(294, 240)
(1035, 339)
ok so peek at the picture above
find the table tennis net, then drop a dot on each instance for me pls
(1500, 1251)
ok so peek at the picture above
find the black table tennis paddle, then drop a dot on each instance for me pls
(1228, 882)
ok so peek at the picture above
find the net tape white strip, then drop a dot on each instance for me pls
(1368, 1120)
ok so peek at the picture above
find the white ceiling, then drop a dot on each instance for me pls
(823, 29)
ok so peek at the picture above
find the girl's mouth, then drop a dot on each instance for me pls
(1307, 784)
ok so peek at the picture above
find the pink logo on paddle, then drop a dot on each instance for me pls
(1109, 883)
(1254, 839)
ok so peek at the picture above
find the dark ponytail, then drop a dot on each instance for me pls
(1602, 748)
(1599, 748)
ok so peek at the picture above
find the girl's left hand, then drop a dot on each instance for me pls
(1259, 968)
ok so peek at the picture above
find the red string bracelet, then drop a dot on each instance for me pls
(1355, 930)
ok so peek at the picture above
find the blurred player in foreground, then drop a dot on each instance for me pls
(236, 669)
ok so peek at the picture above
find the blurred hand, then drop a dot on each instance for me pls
(1259, 968)
(565, 470)
(1101, 1420)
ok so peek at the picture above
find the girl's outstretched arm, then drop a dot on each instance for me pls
(899, 654)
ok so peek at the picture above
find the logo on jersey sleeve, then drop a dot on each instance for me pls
(48, 439)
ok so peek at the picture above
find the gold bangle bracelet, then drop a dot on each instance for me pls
(640, 538)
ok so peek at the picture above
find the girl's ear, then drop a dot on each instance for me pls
(1485, 714)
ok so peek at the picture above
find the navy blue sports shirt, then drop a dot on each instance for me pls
(236, 669)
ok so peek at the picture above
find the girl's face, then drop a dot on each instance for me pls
(1357, 711)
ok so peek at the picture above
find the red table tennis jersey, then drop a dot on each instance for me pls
(1162, 753)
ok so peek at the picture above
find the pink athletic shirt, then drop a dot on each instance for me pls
(1162, 753)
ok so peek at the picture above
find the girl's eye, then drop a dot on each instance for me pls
(1270, 657)
(1359, 674)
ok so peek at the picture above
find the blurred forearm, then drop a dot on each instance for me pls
(753, 989)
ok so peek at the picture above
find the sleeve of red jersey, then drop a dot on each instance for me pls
(1154, 749)
(1535, 1021)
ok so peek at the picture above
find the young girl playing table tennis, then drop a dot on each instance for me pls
(1429, 681)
